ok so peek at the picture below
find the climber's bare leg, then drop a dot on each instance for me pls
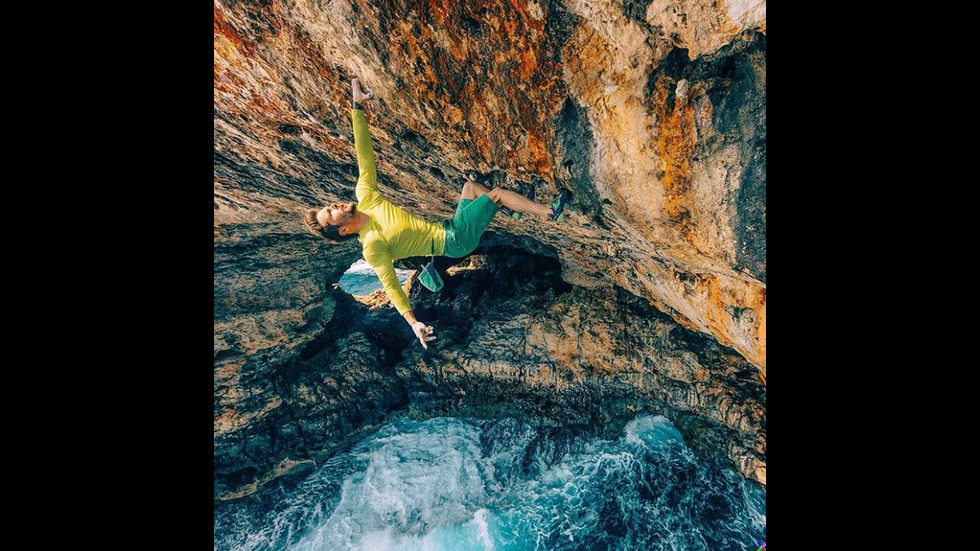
(513, 201)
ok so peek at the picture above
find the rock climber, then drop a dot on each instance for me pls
(388, 233)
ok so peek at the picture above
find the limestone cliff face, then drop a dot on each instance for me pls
(531, 345)
(653, 113)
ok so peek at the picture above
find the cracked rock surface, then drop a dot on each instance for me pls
(652, 297)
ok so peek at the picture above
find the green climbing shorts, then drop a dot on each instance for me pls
(464, 230)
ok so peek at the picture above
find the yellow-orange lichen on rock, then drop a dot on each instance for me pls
(664, 148)
(675, 145)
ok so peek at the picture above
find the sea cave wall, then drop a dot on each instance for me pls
(651, 297)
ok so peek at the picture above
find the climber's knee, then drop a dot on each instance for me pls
(472, 190)
(494, 194)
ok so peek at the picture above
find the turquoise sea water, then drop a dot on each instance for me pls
(360, 278)
(465, 484)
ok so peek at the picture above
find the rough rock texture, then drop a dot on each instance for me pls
(275, 417)
(652, 113)
(533, 346)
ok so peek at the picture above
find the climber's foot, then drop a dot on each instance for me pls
(558, 205)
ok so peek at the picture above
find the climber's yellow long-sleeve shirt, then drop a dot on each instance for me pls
(391, 233)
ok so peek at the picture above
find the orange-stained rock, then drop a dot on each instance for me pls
(654, 115)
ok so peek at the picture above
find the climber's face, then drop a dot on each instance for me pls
(336, 214)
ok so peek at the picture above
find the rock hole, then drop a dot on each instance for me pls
(360, 279)
(437, 173)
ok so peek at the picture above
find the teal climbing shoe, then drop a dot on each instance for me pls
(558, 206)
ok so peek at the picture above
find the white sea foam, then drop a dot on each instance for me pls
(652, 430)
(461, 485)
